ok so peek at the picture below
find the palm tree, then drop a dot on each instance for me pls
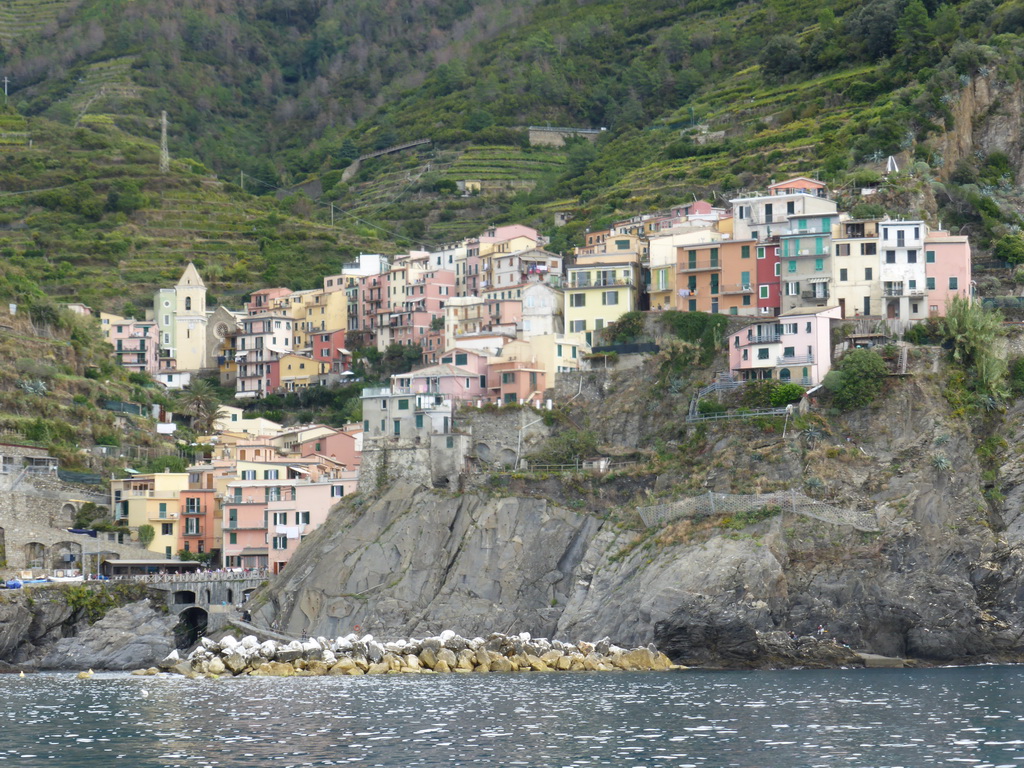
(200, 403)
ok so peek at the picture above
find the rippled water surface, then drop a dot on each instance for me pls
(949, 717)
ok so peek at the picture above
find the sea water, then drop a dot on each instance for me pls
(948, 717)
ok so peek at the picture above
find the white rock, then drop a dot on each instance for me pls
(227, 642)
(250, 642)
(524, 636)
(366, 639)
(209, 644)
(445, 636)
(329, 657)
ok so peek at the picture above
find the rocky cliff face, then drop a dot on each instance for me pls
(934, 576)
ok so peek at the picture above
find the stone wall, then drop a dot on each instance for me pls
(555, 137)
(501, 435)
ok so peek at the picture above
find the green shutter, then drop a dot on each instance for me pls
(744, 251)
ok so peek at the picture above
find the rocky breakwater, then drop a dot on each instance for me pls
(448, 652)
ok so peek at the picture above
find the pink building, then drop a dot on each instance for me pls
(452, 382)
(769, 297)
(329, 347)
(799, 185)
(262, 300)
(135, 345)
(515, 376)
(947, 270)
(412, 316)
(343, 447)
(794, 347)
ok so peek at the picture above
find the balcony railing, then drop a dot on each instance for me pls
(812, 296)
(192, 533)
(795, 360)
(737, 288)
(902, 292)
(699, 266)
(806, 253)
(763, 338)
(612, 283)
(163, 515)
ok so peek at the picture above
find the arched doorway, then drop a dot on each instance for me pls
(784, 375)
(185, 597)
(190, 627)
(67, 514)
(65, 554)
(35, 554)
(231, 597)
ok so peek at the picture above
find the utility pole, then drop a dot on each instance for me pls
(6, 81)
(332, 214)
(165, 156)
(241, 179)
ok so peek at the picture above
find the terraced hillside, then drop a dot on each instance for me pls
(93, 219)
(20, 18)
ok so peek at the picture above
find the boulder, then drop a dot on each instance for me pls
(342, 666)
(428, 658)
(442, 666)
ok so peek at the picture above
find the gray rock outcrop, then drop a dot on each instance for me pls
(130, 637)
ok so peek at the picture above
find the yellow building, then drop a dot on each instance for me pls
(598, 291)
(298, 371)
(314, 311)
(151, 500)
(557, 353)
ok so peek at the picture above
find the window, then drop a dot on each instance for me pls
(609, 297)
(912, 257)
(762, 291)
(232, 538)
(397, 427)
(792, 289)
(622, 245)
(789, 351)
(572, 352)
(577, 326)
(167, 552)
(714, 284)
(280, 542)
(337, 491)
(867, 305)
(890, 257)
(302, 518)
(913, 308)
(461, 358)
(248, 474)
(819, 265)
(577, 299)
(929, 257)
(868, 249)
(867, 273)
(746, 300)
(508, 378)
(745, 280)
(232, 518)
(912, 284)
(762, 353)
(691, 305)
(280, 518)
(270, 474)
(744, 251)
(791, 266)
(745, 356)
(842, 275)
(843, 249)
(760, 252)
(930, 283)
(403, 405)
(790, 207)
(778, 268)
(188, 303)
(163, 509)
(953, 284)
(714, 257)
(419, 421)
(788, 328)
(272, 493)
(166, 529)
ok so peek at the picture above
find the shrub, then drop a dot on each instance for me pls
(627, 328)
(784, 394)
(857, 379)
(146, 534)
(758, 394)
(706, 407)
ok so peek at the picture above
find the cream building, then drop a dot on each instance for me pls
(180, 317)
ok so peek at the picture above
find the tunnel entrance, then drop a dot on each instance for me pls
(190, 627)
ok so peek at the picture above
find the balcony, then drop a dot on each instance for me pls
(163, 516)
(763, 338)
(807, 253)
(812, 296)
(795, 360)
(700, 266)
(738, 288)
(192, 533)
(610, 283)
(896, 291)
(194, 511)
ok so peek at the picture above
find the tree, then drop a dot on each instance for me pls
(857, 379)
(971, 331)
(146, 535)
(200, 403)
(1010, 248)
(780, 56)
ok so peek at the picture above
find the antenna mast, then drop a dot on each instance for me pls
(165, 156)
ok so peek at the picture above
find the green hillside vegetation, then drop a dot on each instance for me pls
(56, 377)
(706, 98)
(97, 222)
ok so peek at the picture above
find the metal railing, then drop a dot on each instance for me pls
(194, 578)
(696, 415)
(764, 338)
(791, 500)
(617, 282)
(697, 266)
(794, 359)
